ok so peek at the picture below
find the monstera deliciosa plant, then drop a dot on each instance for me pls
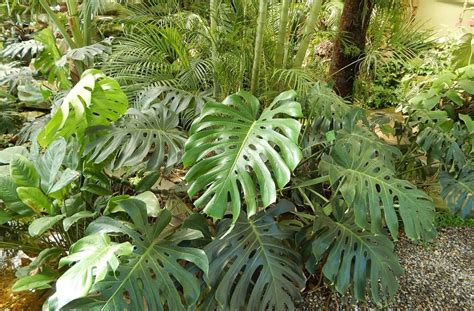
(270, 193)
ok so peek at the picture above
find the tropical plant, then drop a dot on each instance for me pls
(441, 113)
(187, 201)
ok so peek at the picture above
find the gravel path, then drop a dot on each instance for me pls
(438, 276)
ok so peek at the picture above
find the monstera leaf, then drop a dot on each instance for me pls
(370, 188)
(92, 257)
(252, 265)
(356, 259)
(87, 54)
(95, 100)
(148, 278)
(458, 192)
(22, 49)
(177, 100)
(232, 143)
(152, 131)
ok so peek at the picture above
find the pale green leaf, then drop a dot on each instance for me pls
(43, 224)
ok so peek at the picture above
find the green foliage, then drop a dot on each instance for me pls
(149, 274)
(369, 186)
(104, 204)
(459, 192)
(252, 264)
(46, 60)
(92, 256)
(231, 137)
(356, 258)
(140, 133)
(22, 49)
(95, 100)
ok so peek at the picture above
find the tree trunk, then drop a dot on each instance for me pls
(308, 31)
(262, 15)
(281, 44)
(348, 53)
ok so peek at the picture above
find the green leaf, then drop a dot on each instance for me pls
(43, 224)
(49, 163)
(95, 100)
(454, 96)
(151, 136)
(37, 281)
(96, 189)
(23, 172)
(152, 204)
(151, 276)
(35, 199)
(71, 220)
(462, 55)
(147, 182)
(370, 188)
(65, 179)
(356, 258)
(10, 197)
(5, 217)
(92, 257)
(233, 148)
(41, 260)
(458, 192)
(252, 264)
(467, 85)
(468, 121)
(7, 154)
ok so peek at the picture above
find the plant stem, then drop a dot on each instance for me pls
(52, 16)
(213, 7)
(308, 30)
(87, 27)
(262, 15)
(281, 43)
(74, 22)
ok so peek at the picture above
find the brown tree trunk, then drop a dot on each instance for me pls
(350, 44)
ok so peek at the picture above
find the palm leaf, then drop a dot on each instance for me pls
(252, 265)
(149, 277)
(231, 143)
(151, 132)
(370, 188)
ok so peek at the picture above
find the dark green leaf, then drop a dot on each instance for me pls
(356, 258)
(233, 148)
(459, 192)
(370, 188)
(253, 265)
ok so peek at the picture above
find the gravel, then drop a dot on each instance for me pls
(438, 276)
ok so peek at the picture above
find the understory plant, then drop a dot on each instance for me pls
(270, 194)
